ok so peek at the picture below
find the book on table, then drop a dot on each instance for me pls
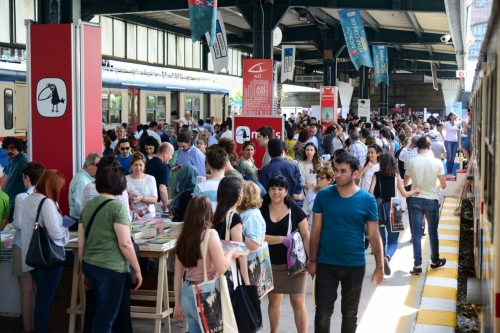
(162, 243)
(241, 248)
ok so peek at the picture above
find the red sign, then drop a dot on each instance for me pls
(329, 105)
(57, 118)
(257, 87)
(245, 129)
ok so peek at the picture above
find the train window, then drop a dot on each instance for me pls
(196, 104)
(150, 108)
(105, 108)
(8, 103)
(115, 108)
(161, 109)
(188, 103)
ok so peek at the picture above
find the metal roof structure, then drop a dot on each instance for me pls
(414, 30)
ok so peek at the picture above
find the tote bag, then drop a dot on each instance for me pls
(296, 256)
(396, 212)
(246, 306)
(260, 272)
(213, 303)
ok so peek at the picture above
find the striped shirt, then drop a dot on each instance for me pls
(208, 188)
(359, 150)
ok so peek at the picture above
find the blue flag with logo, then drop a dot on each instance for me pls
(203, 14)
(355, 38)
(380, 64)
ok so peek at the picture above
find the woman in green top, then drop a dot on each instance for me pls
(247, 162)
(108, 250)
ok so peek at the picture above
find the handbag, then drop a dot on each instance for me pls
(396, 211)
(91, 222)
(260, 272)
(246, 306)
(213, 303)
(383, 218)
(296, 255)
(42, 252)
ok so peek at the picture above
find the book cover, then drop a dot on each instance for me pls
(241, 248)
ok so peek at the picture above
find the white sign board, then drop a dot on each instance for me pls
(364, 109)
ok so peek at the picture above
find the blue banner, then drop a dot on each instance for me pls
(380, 64)
(202, 16)
(355, 38)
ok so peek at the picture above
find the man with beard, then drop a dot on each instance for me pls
(13, 181)
(342, 213)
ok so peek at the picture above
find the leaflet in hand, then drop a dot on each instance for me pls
(241, 248)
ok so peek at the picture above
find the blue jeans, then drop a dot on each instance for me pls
(451, 152)
(392, 237)
(429, 208)
(328, 278)
(108, 288)
(46, 281)
(188, 306)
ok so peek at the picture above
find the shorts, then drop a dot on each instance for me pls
(17, 262)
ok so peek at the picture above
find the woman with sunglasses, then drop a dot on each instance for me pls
(324, 178)
(123, 153)
(308, 165)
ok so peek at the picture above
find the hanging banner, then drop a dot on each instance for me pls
(219, 49)
(287, 62)
(355, 38)
(380, 64)
(202, 16)
(245, 129)
(328, 105)
(257, 87)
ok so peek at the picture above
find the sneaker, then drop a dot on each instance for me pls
(416, 271)
(387, 267)
(440, 263)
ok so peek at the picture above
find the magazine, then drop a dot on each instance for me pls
(241, 248)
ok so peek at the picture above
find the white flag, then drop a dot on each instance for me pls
(287, 62)
(219, 50)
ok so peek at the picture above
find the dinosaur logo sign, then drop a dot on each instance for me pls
(51, 97)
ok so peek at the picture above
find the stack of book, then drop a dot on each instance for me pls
(161, 243)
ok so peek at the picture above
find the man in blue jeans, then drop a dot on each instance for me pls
(422, 171)
(342, 213)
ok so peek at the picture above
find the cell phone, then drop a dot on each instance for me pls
(68, 221)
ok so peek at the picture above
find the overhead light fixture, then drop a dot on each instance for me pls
(268, 3)
(303, 16)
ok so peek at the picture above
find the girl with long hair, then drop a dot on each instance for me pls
(197, 223)
(307, 166)
(371, 166)
(229, 197)
(388, 176)
(452, 127)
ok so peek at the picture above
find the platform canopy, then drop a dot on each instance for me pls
(413, 30)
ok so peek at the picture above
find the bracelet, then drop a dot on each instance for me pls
(312, 260)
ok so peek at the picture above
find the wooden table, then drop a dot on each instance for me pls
(160, 296)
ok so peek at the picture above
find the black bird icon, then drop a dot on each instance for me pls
(51, 91)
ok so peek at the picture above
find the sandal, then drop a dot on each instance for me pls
(440, 263)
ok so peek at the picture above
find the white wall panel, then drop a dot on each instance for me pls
(153, 45)
(4, 22)
(188, 56)
(197, 55)
(119, 38)
(107, 35)
(161, 47)
(142, 43)
(180, 51)
(25, 10)
(131, 41)
(171, 50)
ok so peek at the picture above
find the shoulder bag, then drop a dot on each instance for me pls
(246, 306)
(383, 218)
(213, 303)
(296, 255)
(42, 252)
(396, 210)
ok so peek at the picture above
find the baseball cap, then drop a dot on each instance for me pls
(432, 134)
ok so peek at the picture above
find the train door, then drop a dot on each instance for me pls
(134, 111)
(174, 110)
(20, 107)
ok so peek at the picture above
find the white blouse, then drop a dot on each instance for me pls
(451, 131)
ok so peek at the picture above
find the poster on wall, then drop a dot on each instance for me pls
(257, 87)
(245, 129)
(364, 110)
(328, 103)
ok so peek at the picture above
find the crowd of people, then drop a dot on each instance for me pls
(323, 182)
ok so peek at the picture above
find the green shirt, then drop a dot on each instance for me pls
(101, 248)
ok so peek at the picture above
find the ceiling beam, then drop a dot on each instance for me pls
(412, 19)
(154, 24)
(392, 54)
(372, 23)
(102, 7)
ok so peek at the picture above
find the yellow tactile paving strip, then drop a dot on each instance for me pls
(439, 296)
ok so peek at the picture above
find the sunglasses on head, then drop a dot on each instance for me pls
(124, 148)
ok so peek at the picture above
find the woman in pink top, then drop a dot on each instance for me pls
(197, 221)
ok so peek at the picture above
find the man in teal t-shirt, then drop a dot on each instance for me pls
(342, 214)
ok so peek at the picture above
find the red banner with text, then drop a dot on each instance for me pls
(328, 105)
(257, 87)
(245, 129)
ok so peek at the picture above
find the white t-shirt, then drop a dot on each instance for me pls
(424, 171)
(144, 187)
(366, 181)
(189, 122)
(307, 174)
(89, 193)
(339, 143)
(451, 131)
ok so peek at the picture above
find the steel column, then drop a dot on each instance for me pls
(384, 98)
(364, 82)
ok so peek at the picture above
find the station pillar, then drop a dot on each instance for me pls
(327, 73)
(364, 82)
(384, 99)
(64, 82)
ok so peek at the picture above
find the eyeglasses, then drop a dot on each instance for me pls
(321, 177)
(124, 148)
(426, 129)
